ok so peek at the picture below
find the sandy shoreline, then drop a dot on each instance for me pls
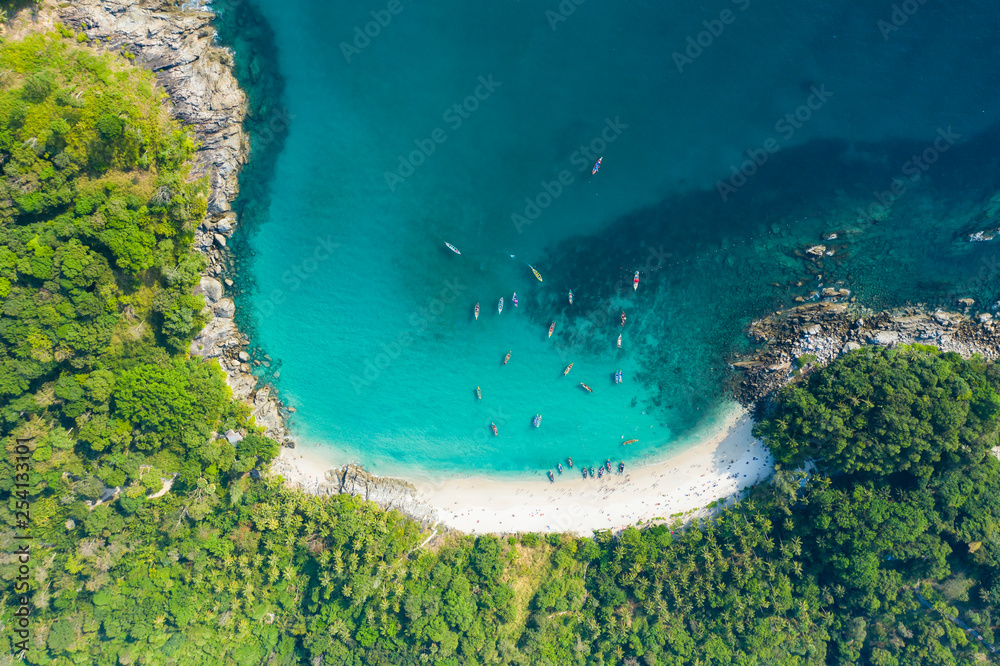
(688, 481)
(716, 467)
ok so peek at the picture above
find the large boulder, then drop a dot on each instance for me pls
(215, 338)
(385, 491)
(210, 288)
(225, 308)
(885, 338)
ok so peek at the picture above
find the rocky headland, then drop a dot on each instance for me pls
(179, 47)
(352, 479)
(816, 333)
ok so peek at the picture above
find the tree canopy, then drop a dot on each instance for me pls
(888, 410)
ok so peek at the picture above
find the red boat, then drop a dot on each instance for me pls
(506, 358)
(635, 281)
(494, 426)
(589, 390)
(623, 317)
(552, 327)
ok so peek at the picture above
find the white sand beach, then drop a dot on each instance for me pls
(302, 467)
(715, 468)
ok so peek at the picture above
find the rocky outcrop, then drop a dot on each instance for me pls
(178, 45)
(352, 479)
(820, 332)
(196, 75)
(385, 491)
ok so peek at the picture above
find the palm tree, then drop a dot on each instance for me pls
(337, 628)
(785, 483)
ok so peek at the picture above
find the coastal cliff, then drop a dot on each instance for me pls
(197, 75)
(805, 335)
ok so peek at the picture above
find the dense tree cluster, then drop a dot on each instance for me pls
(887, 554)
(911, 411)
(97, 213)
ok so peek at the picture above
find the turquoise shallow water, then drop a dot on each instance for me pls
(367, 317)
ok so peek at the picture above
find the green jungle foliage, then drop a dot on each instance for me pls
(886, 555)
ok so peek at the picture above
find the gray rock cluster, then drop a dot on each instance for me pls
(352, 479)
(196, 75)
(820, 332)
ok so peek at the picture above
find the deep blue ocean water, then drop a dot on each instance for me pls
(734, 135)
